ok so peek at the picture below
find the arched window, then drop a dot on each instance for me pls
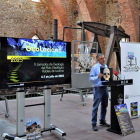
(35, 36)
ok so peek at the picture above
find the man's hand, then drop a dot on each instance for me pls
(100, 75)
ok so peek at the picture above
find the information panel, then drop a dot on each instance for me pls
(134, 109)
(31, 62)
(124, 119)
(130, 69)
(33, 129)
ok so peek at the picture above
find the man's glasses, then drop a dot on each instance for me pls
(102, 58)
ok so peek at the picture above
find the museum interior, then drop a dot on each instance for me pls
(50, 52)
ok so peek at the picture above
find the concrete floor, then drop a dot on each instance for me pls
(69, 115)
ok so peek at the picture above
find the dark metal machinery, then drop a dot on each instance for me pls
(108, 31)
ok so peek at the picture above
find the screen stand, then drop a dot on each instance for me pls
(47, 113)
(47, 108)
(20, 125)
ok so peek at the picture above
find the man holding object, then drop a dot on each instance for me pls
(100, 92)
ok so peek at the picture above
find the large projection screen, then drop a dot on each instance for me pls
(31, 62)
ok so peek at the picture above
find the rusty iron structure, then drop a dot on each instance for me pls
(108, 31)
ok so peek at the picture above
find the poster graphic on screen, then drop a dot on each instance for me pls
(107, 74)
(124, 120)
(134, 109)
(32, 62)
(131, 63)
(33, 128)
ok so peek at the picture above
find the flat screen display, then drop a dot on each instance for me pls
(32, 62)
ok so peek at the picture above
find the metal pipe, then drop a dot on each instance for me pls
(55, 31)
(60, 132)
(7, 108)
(6, 105)
(83, 33)
(9, 137)
(34, 105)
(65, 27)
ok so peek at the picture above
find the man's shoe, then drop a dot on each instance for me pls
(94, 127)
(104, 123)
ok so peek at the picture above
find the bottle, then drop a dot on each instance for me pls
(124, 78)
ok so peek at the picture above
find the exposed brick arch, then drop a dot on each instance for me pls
(55, 16)
(130, 18)
(59, 13)
(89, 13)
(88, 10)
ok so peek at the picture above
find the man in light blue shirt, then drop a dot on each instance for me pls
(100, 92)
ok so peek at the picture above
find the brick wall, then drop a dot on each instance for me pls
(20, 18)
(70, 6)
(112, 18)
(23, 18)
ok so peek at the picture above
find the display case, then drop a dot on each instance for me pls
(83, 58)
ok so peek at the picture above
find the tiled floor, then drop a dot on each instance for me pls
(69, 115)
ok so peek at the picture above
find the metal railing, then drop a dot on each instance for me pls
(10, 94)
